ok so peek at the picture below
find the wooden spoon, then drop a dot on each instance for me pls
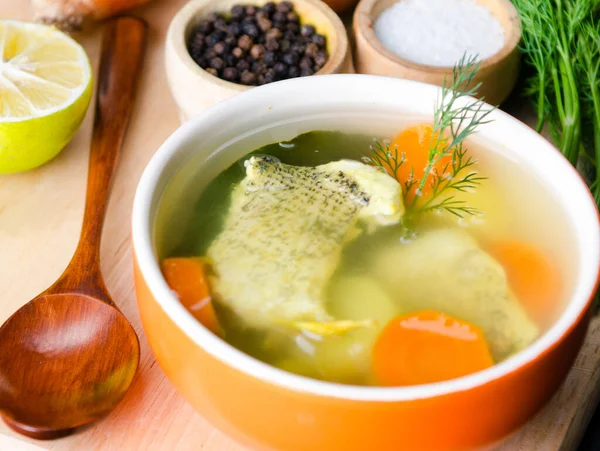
(69, 355)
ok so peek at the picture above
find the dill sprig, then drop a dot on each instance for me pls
(441, 183)
(457, 115)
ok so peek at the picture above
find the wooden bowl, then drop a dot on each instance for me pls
(498, 73)
(194, 89)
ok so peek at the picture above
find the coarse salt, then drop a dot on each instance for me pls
(439, 32)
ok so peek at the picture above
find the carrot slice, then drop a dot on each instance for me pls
(533, 278)
(427, 347)
(414, 143)
(187, 277)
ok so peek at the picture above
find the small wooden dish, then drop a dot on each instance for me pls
(498, 73)
(195, 90)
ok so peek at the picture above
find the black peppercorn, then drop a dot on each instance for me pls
(321, 58)
(204, 27)
(234, 29)
(289, 35)
(307, 30)
(212, 71)
(242, 65)
(229, 59)
(238, 12)
(197, 57)
(221, 25)
(230, 74)
(260, 80)
(292, 17)
(311, 50)
(284, 7)
(279, 17)
(293, 72)
(272, 45)
(269, 7)
(281, 70)
(245, 42)
(251, 10)
(274, 33)
(306, 72)
(279, 25)
(291, 59)
(213, 38)
(217, 63)
(269, 58)
(319, 40)
(270, 76)
(237, 52)
(197, 45)
(306, 63)
(212, 17)
(284, 45)
(220, 48)
(210, 54)
(297, 48)
(248, 78)
(264, 24)
(250, 29)
(258, 67)
(257, 51)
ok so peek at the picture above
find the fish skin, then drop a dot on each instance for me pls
(285, 231)
(446, 270)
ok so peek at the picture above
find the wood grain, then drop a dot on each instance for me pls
(40, 216)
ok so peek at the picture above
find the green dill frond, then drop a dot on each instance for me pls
(457, 115)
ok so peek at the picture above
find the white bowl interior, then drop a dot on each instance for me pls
(199, 143)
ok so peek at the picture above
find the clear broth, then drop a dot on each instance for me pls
(516, 205)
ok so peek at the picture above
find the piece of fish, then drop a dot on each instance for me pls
(285, 230)
(446, 270)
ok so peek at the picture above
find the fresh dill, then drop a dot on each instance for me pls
(449, 169)
(561, 45)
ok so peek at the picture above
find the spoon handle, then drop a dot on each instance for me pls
(120, 66)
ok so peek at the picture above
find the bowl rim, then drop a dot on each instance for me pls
(143, 247)
(364, 25)
(182, 19)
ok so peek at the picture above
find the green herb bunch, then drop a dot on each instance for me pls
(561, 43)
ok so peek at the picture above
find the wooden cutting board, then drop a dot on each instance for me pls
(40, 216)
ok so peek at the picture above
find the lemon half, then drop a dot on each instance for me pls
(45, 91)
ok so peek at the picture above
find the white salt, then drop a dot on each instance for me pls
(439, 32)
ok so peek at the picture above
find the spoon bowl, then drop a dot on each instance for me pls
(68, 356)
(57, 381)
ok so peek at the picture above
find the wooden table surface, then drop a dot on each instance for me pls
(40, 217)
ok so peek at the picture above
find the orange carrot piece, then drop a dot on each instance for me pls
(427, 347)
(535, 281)
(187, 277)
(415, 142)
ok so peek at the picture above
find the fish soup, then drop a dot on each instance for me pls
(319, 255)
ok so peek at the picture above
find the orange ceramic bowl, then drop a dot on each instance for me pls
(269, 409)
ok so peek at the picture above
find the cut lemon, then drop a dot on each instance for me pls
(45, 91)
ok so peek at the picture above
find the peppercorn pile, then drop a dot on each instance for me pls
(258, 45)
